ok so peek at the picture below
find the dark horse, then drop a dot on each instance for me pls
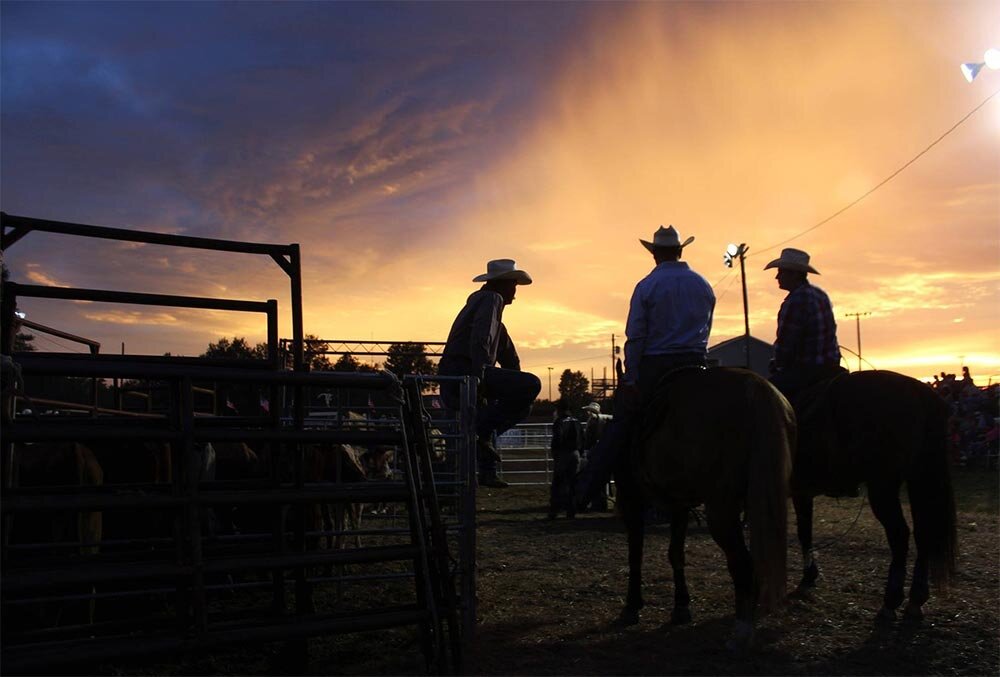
(723, 438)
(883, 429)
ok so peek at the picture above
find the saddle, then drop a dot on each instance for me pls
(813, 413)
(811, 401)
(655, 405)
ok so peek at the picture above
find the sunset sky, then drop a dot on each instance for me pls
(404, 145)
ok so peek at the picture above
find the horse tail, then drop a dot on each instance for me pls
(768, 474)
(932, 499)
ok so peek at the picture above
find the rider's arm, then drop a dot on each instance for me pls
(636, 331)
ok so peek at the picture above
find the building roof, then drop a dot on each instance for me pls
(737, 339)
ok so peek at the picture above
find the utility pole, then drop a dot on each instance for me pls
(612, 363)
(857, 321)
(550, 384)
(732, 251)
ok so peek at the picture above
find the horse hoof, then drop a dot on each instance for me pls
(809, 576)
(803, 592)
(885, 615)
(680, 615)
(913, 613)
(628, 617)
(741, 639)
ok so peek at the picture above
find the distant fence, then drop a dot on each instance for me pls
(527, 458)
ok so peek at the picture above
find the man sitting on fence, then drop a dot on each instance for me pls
(567, 441)
(479, 340)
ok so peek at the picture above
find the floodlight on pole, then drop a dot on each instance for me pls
(991, 59)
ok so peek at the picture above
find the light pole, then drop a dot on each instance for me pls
(857, 319)
(550, 384)
(732, 251)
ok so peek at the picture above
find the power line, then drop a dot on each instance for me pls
(884, 181)
(57, 343)
(726, 289)
(548, 364)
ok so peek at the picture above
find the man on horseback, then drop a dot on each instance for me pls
(479, 340)
(669, 320)
(806, 350)
(669, 317)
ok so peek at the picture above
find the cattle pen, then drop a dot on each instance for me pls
(174, 530)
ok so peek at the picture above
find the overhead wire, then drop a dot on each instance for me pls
(880, 183)
(840, 211)
(561, 362)
(58, 344)
(859, 199)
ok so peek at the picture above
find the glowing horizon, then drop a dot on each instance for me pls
(558, 136)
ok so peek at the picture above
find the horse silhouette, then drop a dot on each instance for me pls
(723, 438)
(883, 429)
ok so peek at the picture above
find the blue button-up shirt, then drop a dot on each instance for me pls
(670, 312)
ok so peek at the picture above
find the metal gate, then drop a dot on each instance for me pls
(200, 586)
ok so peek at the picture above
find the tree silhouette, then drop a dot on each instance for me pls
(574, 389)
(237, 349)
(314, 353)
(408, 358)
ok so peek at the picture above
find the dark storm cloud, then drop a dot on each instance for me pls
(221, 118)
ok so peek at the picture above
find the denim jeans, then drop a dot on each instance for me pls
(505, 396)
(615, 441)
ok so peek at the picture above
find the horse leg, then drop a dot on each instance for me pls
(887, 510)
(634, 527)
(682, 600)
(804, 527)
(920, 590)
(727, 531)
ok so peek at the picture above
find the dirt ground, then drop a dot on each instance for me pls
(550, 591)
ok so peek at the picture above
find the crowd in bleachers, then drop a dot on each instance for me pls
(973, 435)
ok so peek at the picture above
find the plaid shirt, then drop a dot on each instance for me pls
(807, 332)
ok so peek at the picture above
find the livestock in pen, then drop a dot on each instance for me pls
(723, 438)
(69, 534)
(883, 429)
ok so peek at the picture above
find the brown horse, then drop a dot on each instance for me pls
(883, 429)
(723, 438)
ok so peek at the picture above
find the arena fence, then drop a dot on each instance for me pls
(118, 539)
(163, 577)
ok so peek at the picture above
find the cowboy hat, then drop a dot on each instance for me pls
(666, 237)
(792, 259)
(593, 406)
(503, 269)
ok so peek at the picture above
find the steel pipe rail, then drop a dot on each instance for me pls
(166, 300)
(96, 571)
(23, 658)
(110, 366)
(22, 225)
(53, 432)
(356, 492)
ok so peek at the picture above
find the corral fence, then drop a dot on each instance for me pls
(173, 531)
(526, 454)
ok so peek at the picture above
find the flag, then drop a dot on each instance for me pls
(435, 403)
(264, 404)
(230, 405)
